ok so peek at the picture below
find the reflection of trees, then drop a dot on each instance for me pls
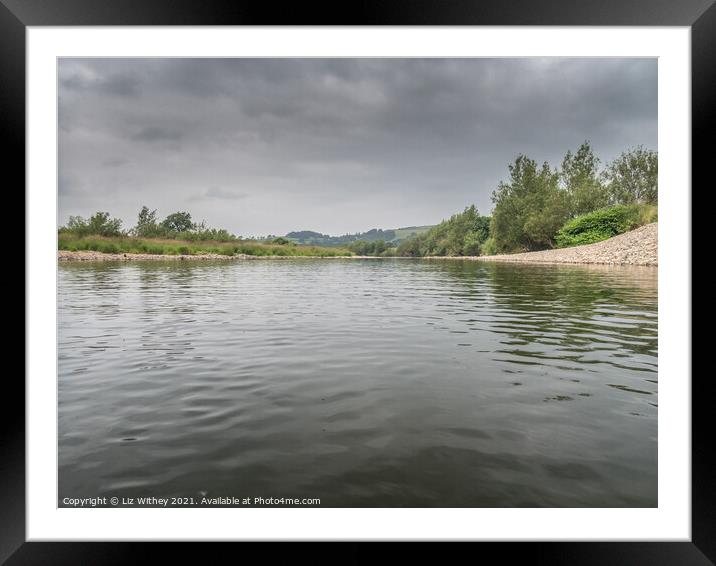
(572, 306)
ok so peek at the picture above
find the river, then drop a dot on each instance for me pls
(362, 383)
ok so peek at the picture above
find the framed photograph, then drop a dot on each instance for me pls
(422, 275)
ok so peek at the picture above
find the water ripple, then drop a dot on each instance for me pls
(363, 383)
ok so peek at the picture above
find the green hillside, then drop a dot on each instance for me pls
(392, 236)
(405, 233)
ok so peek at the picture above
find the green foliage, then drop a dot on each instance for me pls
(147, 226)
(363, 247)
(537, 201)
(177, 225)
(581, 180)
(646, 214)
(633, 177)
(99, 224)
(603, 224)
(410, 247)
(178, 222)
(316, 238)
(461, 235)
(132, 245)
(529, 209)
(489, 247)
(281, 241)
(205, 234)
(408, 232)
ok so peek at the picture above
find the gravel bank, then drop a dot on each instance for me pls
(638, 247)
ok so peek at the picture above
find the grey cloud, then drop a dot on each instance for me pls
(114, 162)
(156, 133)
(118, 84)
(336, 145)
(219, 193)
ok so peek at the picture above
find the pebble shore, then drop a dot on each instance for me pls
(638, 247)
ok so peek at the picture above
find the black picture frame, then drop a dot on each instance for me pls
(17, 15)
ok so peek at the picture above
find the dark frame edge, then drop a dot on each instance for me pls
(703, 124)
(14, 549)
(12, 132)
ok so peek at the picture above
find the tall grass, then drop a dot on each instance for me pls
(130, 245)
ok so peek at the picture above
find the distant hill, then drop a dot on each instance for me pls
(393, 236)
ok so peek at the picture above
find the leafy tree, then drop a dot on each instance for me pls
(471, 245)
(99, 224)
(633, 177)
(379, 246)
(147, 226)
(529, 209)
(178, 222)
(462, 234)
(410, 247)
(580, 178)
(364, 247)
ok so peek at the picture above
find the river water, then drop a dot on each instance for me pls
(362, 383)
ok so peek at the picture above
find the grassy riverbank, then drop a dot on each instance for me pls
(170, 247)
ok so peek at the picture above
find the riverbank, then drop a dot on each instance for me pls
(65, 255)
(130, 247)
(637, 247)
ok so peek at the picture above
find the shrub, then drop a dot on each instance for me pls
(603, 224)
(99, 224)
(488, 247)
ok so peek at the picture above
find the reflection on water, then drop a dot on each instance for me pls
(360, 382)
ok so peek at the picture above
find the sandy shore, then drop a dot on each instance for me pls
(638, 247)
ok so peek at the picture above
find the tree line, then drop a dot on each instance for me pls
(177, 225)
(537, 207)
(540, 207)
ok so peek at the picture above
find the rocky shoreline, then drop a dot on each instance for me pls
(638, 247)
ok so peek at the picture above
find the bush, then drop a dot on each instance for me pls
(489, 247)
(603, 224)
(99, 224)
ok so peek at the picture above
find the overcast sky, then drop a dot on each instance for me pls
(267, 146)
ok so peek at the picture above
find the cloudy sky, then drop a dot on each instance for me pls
(266, 146)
